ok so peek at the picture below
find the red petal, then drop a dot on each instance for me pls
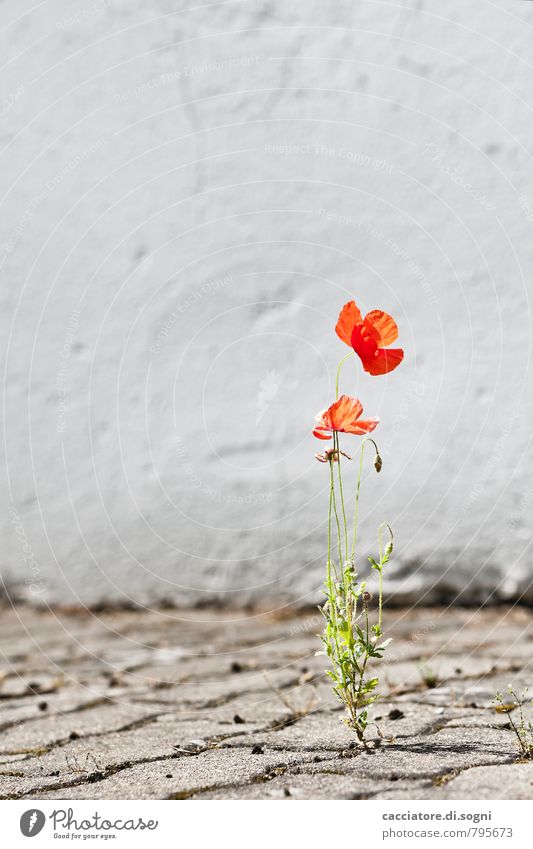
(321, 433)
(349, 316)
(344, 412)
(364, 346)
(381, 327)
(363, 426)
(385, 360)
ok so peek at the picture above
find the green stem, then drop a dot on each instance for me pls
(357, 493)
(332, 579)
(332, 510)
(345, 574)
(338, 450)
(339, 374)
(380, 571)
(380, 613)
(331, 484)
(358, 490)
(337, 520)
(332, 613)
(380, 547)
(363, 666)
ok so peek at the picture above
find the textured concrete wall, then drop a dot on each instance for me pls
(188, 195)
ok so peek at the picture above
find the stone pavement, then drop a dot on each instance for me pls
(208, 704)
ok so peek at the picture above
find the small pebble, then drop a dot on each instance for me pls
(191, 747)
(238, 720)
(396, 714)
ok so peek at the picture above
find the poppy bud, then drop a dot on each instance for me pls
(378, 463)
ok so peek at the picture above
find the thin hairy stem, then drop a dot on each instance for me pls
(343, 506)
(335, 511)
(358, 489)
(380, 605)
(339, 373)
(357, 725)
(381, 561)
(331, 486)
(380, 573)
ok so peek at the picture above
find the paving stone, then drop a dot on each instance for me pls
(507, 781)
(185, 777)
(47, 730)
(317, 786)
(214, 704)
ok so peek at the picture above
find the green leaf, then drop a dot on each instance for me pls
(360, 634)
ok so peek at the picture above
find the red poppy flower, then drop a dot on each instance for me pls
(368, 337)
(343, 416)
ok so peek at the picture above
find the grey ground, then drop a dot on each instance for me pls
(212, 705)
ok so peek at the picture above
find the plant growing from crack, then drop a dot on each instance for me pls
(429, 676)
(77, 766)
(523, 730)
(296, 711)
(353, 631)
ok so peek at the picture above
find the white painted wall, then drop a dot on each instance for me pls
(189, 193)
